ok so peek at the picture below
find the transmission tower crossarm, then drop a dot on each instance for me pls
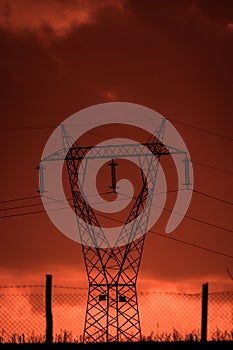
(55, 156)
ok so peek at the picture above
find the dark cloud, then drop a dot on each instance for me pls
(162, 12)
(169, 56)
(216, 11)
(47, 18)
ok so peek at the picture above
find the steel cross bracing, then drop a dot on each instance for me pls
(127, 150)
(112, 308)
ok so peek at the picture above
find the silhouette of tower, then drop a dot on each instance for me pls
(112, 312)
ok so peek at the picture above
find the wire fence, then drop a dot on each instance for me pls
(164, 316)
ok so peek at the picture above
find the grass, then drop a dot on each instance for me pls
(153, 341)
(150, 345)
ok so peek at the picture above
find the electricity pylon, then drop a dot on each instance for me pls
(112, 308)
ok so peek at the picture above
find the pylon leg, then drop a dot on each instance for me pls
(112, 309)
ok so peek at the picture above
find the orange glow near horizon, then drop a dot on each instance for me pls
(161, 313)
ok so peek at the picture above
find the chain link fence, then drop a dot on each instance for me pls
(164, 316)
(69, 307)
(22, 316)
(220, 316)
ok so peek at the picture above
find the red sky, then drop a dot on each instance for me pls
(59, 57)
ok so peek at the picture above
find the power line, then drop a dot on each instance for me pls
(198, 163)
(201, 129)
(38, 196)
(24, 206)
(25, 128)
(53, 126)
(156, 233)
(177, 122)
(192, 244)
(212, 197)
(177, 240)
(56, 201)
(213, 168)
(39, 127)
(19, 199)
(165, 209)
(195, 219)
(44, 211)
(191, 218)
(152, 231)
(53, 200)
(33, 212)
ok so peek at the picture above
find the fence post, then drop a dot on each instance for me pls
(48, 309)
(204, 312)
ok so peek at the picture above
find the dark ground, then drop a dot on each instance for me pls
(220, 345)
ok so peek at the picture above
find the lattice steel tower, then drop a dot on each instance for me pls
(112, 308)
